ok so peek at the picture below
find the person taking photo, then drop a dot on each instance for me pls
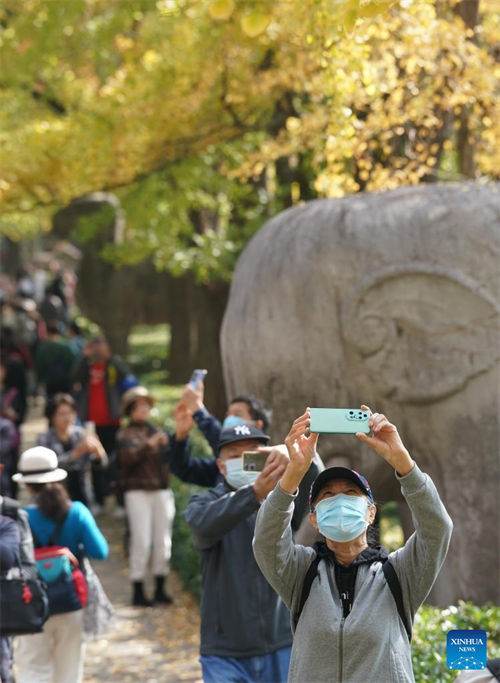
(245, 630)
(352, 605)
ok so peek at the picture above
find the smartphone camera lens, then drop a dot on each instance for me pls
(351, 412)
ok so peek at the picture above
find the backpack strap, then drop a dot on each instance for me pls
(53, 536)
(395, 587)
(390, 576)
(311, 574)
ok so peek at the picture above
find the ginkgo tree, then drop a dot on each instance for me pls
(358, 94)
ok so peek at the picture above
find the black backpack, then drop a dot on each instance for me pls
(23, 600)
(390, 576)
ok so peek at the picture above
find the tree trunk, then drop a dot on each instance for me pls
(182, 357)
(211, 304)
(468, 10)
(195, 315)
(11, 256)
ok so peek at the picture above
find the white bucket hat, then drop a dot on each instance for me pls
(38, 465)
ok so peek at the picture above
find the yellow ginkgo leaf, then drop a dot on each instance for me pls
(350, 19)
(255, 23)
(221, 9)
(370, 8)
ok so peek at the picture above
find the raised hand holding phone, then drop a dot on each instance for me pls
(193, 393)
(183, 421)
(301, 446)
(386, 442)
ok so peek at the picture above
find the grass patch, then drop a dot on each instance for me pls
(148, 353)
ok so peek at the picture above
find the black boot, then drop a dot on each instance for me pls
(161, 595)
(138, 597)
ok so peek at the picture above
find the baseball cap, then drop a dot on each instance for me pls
(339, 473)
(242, 432)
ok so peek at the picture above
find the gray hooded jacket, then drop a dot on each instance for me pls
(370, 644)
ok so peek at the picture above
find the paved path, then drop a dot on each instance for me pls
(146, 645)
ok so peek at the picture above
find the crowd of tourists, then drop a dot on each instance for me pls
(272, 609)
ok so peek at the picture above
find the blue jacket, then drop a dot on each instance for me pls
(209, 426)
(241, 615)
(79, 531)
(193, 470)
(199, 471)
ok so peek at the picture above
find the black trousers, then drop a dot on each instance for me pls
(75, 483)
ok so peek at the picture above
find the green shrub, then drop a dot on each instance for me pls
(185, 557)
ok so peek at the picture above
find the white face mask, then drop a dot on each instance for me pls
(236, 476)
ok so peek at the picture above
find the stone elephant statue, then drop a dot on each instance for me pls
(389, 299)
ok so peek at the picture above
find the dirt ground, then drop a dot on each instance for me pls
(145, 645)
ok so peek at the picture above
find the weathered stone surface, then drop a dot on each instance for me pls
(389, 299)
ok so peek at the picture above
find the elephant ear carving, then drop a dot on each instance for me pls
(422, 332)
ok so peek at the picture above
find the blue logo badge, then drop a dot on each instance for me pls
(466, 649)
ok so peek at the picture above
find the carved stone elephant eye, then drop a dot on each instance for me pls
(421, 333)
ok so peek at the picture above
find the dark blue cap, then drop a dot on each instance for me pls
(242, 432)
(339, 473)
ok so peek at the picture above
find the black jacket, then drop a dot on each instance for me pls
(241, 615)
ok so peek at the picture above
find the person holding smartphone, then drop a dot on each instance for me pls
(352, 604)
(76, 449)
(245, 629)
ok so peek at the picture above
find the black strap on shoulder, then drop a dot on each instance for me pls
(10, 508)
(311, 574)
(306, 588)
(390, 576)
(395, 587)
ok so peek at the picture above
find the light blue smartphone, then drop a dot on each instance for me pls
(339, 421)
(197, 377)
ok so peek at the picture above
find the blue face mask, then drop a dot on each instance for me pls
(342, 517)
(236, 476)
(233, 421)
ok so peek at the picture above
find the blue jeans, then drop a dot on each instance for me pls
(271, 668)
